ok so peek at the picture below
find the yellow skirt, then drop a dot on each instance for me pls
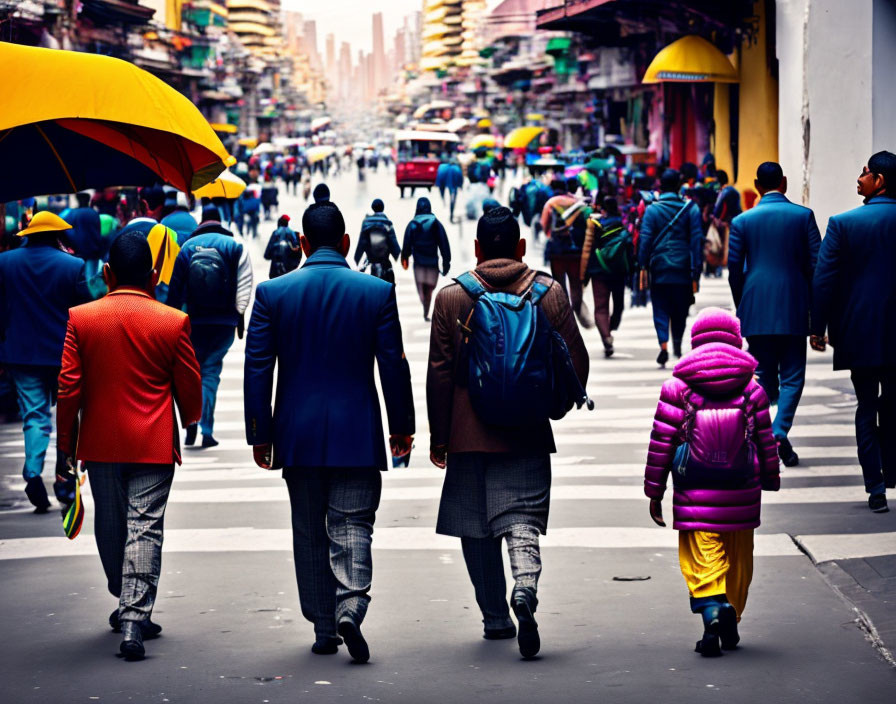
(717, 563)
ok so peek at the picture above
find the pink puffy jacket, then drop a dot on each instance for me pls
(715, 376)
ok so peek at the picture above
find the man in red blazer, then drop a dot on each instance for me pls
(127, 359)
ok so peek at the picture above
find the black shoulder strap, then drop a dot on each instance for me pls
(668, 226)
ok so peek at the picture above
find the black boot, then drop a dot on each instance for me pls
(354, 641)
(785, 451)
(524, 602)
(676, 348)
(709, 646)
(662, 357)
(728, 627)
(37, 494)
(132, 642)
(191, 434)
(326, 645)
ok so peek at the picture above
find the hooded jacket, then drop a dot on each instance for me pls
(716, 375)
(425, 238)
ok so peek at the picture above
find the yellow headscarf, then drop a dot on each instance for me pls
(163, 245)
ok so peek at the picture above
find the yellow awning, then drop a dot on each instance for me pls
(691, 59)
(223, 127)
(521, 137)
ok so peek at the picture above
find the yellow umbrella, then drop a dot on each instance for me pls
(484, 122)
(521, 137)
(315, 154)
(163, 245)
(227, 185)
(250, 142)
(82, 121)
(223, 127)
(483, 140)
(690, 59)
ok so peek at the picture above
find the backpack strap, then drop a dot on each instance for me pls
(471, 285)
(540, 287)
(690, 415)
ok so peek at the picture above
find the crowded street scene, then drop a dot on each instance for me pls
(447, 351)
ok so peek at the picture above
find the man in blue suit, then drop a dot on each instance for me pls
(38, 284)
(323, 326)
(854, 298)
(771, 259)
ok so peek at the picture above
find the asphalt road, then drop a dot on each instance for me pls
(228, 603)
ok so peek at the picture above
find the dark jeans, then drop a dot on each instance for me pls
(671, 303)
(568, 267)
(876, 426)
(603, 289)
(211, 343)
(782, 374)
(333, 511)
(129, 501)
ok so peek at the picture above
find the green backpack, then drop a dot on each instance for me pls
(614, 251)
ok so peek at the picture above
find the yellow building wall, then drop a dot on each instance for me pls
(757, 114)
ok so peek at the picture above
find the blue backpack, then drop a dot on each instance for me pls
(515, 366)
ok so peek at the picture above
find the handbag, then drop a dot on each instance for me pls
(74, 517)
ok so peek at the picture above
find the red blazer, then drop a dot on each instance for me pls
(127, 359)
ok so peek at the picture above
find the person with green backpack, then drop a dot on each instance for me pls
(607, 260)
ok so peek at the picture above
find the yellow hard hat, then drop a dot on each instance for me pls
(45, 221)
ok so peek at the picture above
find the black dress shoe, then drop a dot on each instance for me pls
(132, 643)
(708, 647)
(524, 603)
(148, 628)
(37, 494)
(785, 451)
(209, 441)
(500, 633)
(191, 434)
(326, 645)
(662, 357)
(354, 641)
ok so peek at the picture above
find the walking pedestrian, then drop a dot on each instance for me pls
(670, 255)
(424, 240)
(726, 208)
(607, 260)
(86, 235)
(771, 260)
(713, 433)
(213, 278)
(127, 361)
(853, 296)
(564, 219)
(39, 282)
(378, 242)
(249, 205)
(283, 250)
(180, 220)
(322, 327)
(498, 471)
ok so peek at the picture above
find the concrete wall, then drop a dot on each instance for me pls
(883, 98)
(825, 51)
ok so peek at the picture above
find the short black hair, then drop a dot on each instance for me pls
(689, 170)
(131, 259)
(770, 175)
(498, 234)
(558, 185)
(670, 181)
(83, 199)
(323, 225)
(572, 184)
(722, 177)
(884, 163)
(377, 206)
(611, 205)
(321, 193)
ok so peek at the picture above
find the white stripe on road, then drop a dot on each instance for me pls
(400, 538)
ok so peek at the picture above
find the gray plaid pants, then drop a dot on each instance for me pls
(333, 511)
(130, 502)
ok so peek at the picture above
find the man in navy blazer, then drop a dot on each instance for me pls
(771, 258)
(38, 284)
(323, 326)
(854, 299)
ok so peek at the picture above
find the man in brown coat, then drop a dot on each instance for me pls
(498, 479)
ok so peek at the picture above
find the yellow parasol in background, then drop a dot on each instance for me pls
(227, 185)
(75, 121)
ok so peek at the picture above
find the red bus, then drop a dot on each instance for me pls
(418, 155)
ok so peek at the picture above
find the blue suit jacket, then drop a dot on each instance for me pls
(38, 284)
(854, 290)
(323, 325)
(772, 250)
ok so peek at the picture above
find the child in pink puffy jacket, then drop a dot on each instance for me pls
(712, 431)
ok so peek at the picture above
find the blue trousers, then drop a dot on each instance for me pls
(211, 343)
(35, 392)
(876, 426)
(781, 373)
(671, 303)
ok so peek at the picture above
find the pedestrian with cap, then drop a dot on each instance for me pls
(39, 282)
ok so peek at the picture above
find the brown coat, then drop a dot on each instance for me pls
(452, 421)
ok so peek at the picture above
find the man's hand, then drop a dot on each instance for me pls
(438, 455)
(400, 444)
(404, 264)
(642, 280)
(818, 343)
(656, 512)
(263, 455)
(695, 286)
